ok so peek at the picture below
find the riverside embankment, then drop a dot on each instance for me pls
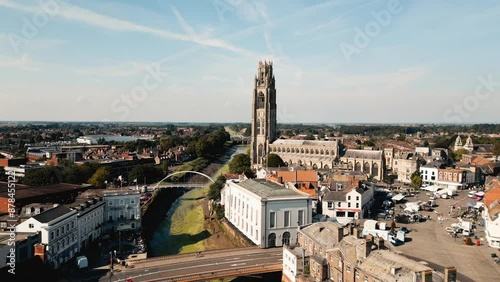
(186, 226)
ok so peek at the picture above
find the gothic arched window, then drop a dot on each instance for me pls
(261, 101)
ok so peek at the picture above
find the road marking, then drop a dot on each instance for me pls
(196, 266)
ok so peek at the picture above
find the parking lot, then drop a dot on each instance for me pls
(430, 242)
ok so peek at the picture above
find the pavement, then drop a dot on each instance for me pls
(431, 243)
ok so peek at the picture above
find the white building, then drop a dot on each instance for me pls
(59, 231)
(90, 217)
(491, 217)
(122, 210)
(348, 204)
(429, 173)
(293, 262)
(20, 171)
(267, 213)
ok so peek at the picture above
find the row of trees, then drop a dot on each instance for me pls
(92, 173)
(208, 146)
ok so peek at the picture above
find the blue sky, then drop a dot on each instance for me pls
(334, 61)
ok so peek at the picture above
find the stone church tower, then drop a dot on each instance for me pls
(263, 114)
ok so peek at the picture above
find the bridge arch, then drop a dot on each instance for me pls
(185, 171)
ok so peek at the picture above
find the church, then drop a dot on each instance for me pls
(476, 149)
(312, 154)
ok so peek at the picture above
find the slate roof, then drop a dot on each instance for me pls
(338, 196)
(379, 263)
(268, 189)
(49, 215)
(353, 248)
(363, 154)
(324, 233)
(305, 143)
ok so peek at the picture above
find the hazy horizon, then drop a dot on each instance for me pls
(335, 62)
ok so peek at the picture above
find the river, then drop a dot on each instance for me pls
(183, 229)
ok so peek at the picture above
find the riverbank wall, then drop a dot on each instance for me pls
(154, 211)
(234, 234)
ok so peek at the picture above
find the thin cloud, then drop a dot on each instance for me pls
(78, 14)
(184, 25)
(335, 21)
(118, 70)
(24, 63)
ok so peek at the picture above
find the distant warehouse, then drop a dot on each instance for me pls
(93, 139)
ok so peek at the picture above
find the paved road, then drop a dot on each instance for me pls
(192, 265)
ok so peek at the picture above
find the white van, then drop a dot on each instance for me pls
(82, 262)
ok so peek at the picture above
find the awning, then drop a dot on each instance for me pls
(398, 197)
(432, 188)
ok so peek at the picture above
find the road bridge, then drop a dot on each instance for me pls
(203, 266)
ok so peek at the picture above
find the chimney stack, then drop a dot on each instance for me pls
(450, 274)
(368, 246)
(340, 233)
(427, 275)
(40, 251)
(379, 241)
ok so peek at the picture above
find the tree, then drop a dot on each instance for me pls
(459, 153)
(309, 137)
(216, 187)
(41, 176)
(3, 176)
(166, 143)
(496, 149)
(416, 179)
(240, 164)
(145, 171)
(426, 143)
(100, 177)
(274, 160)
(389, 178)
(321, 136)
(369, 143)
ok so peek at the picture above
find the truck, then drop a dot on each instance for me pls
(82, 262)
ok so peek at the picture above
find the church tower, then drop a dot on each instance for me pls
(458, 143)
(469, 146)
(263, 113)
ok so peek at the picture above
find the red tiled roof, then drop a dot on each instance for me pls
(492, 193)
(298, 175)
